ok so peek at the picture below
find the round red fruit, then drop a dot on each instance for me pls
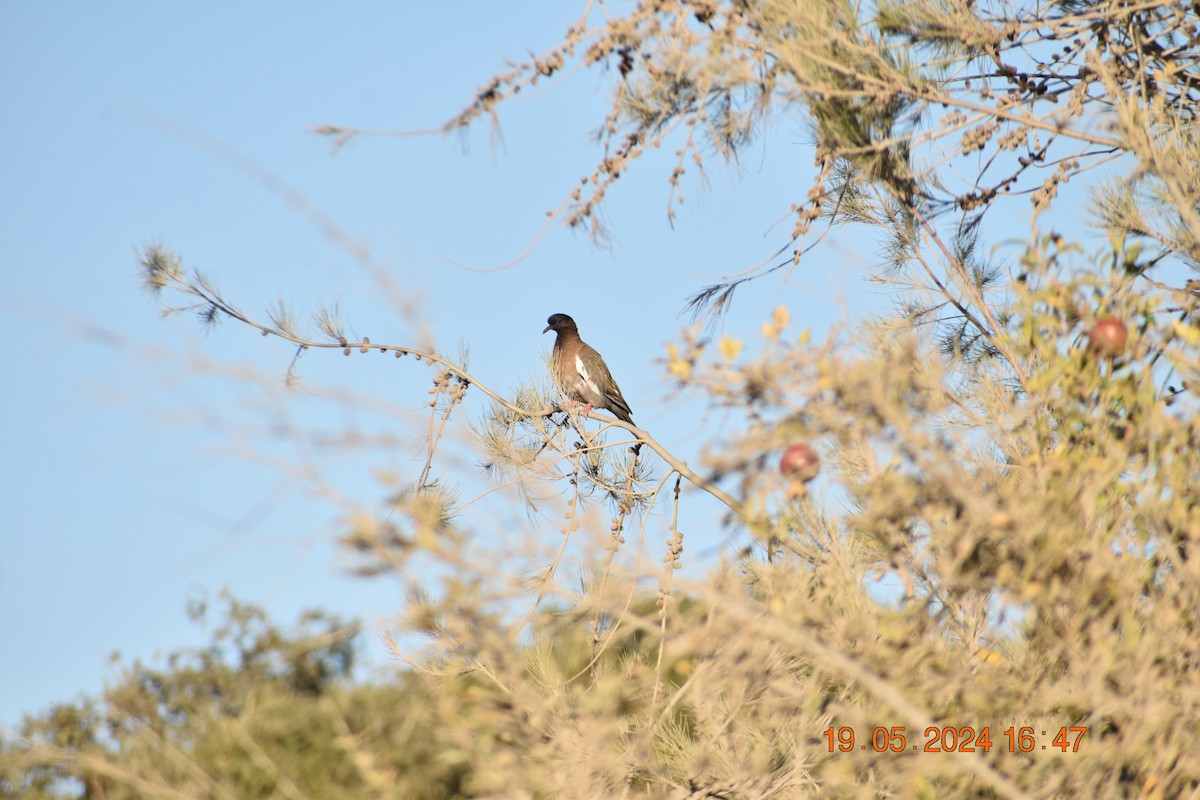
(800, 463)
(1107, 337)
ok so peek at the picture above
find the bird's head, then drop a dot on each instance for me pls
(559, 323)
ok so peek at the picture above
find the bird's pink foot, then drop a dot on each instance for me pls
(587, 408)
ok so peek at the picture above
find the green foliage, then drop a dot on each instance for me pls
(259, 712)
(1042, 533)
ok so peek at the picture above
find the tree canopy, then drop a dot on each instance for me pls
(1016, 455)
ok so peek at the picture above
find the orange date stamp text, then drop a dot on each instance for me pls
(951, 739)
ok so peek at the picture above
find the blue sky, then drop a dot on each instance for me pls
(147, 461)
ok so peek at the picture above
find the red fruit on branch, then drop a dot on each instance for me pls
(1107, 337)
(800, 463)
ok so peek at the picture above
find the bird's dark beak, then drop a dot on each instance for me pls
(545, 329)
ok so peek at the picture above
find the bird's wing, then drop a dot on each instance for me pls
(593, 374)
(595, 377)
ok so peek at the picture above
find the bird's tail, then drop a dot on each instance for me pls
(620, 409)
